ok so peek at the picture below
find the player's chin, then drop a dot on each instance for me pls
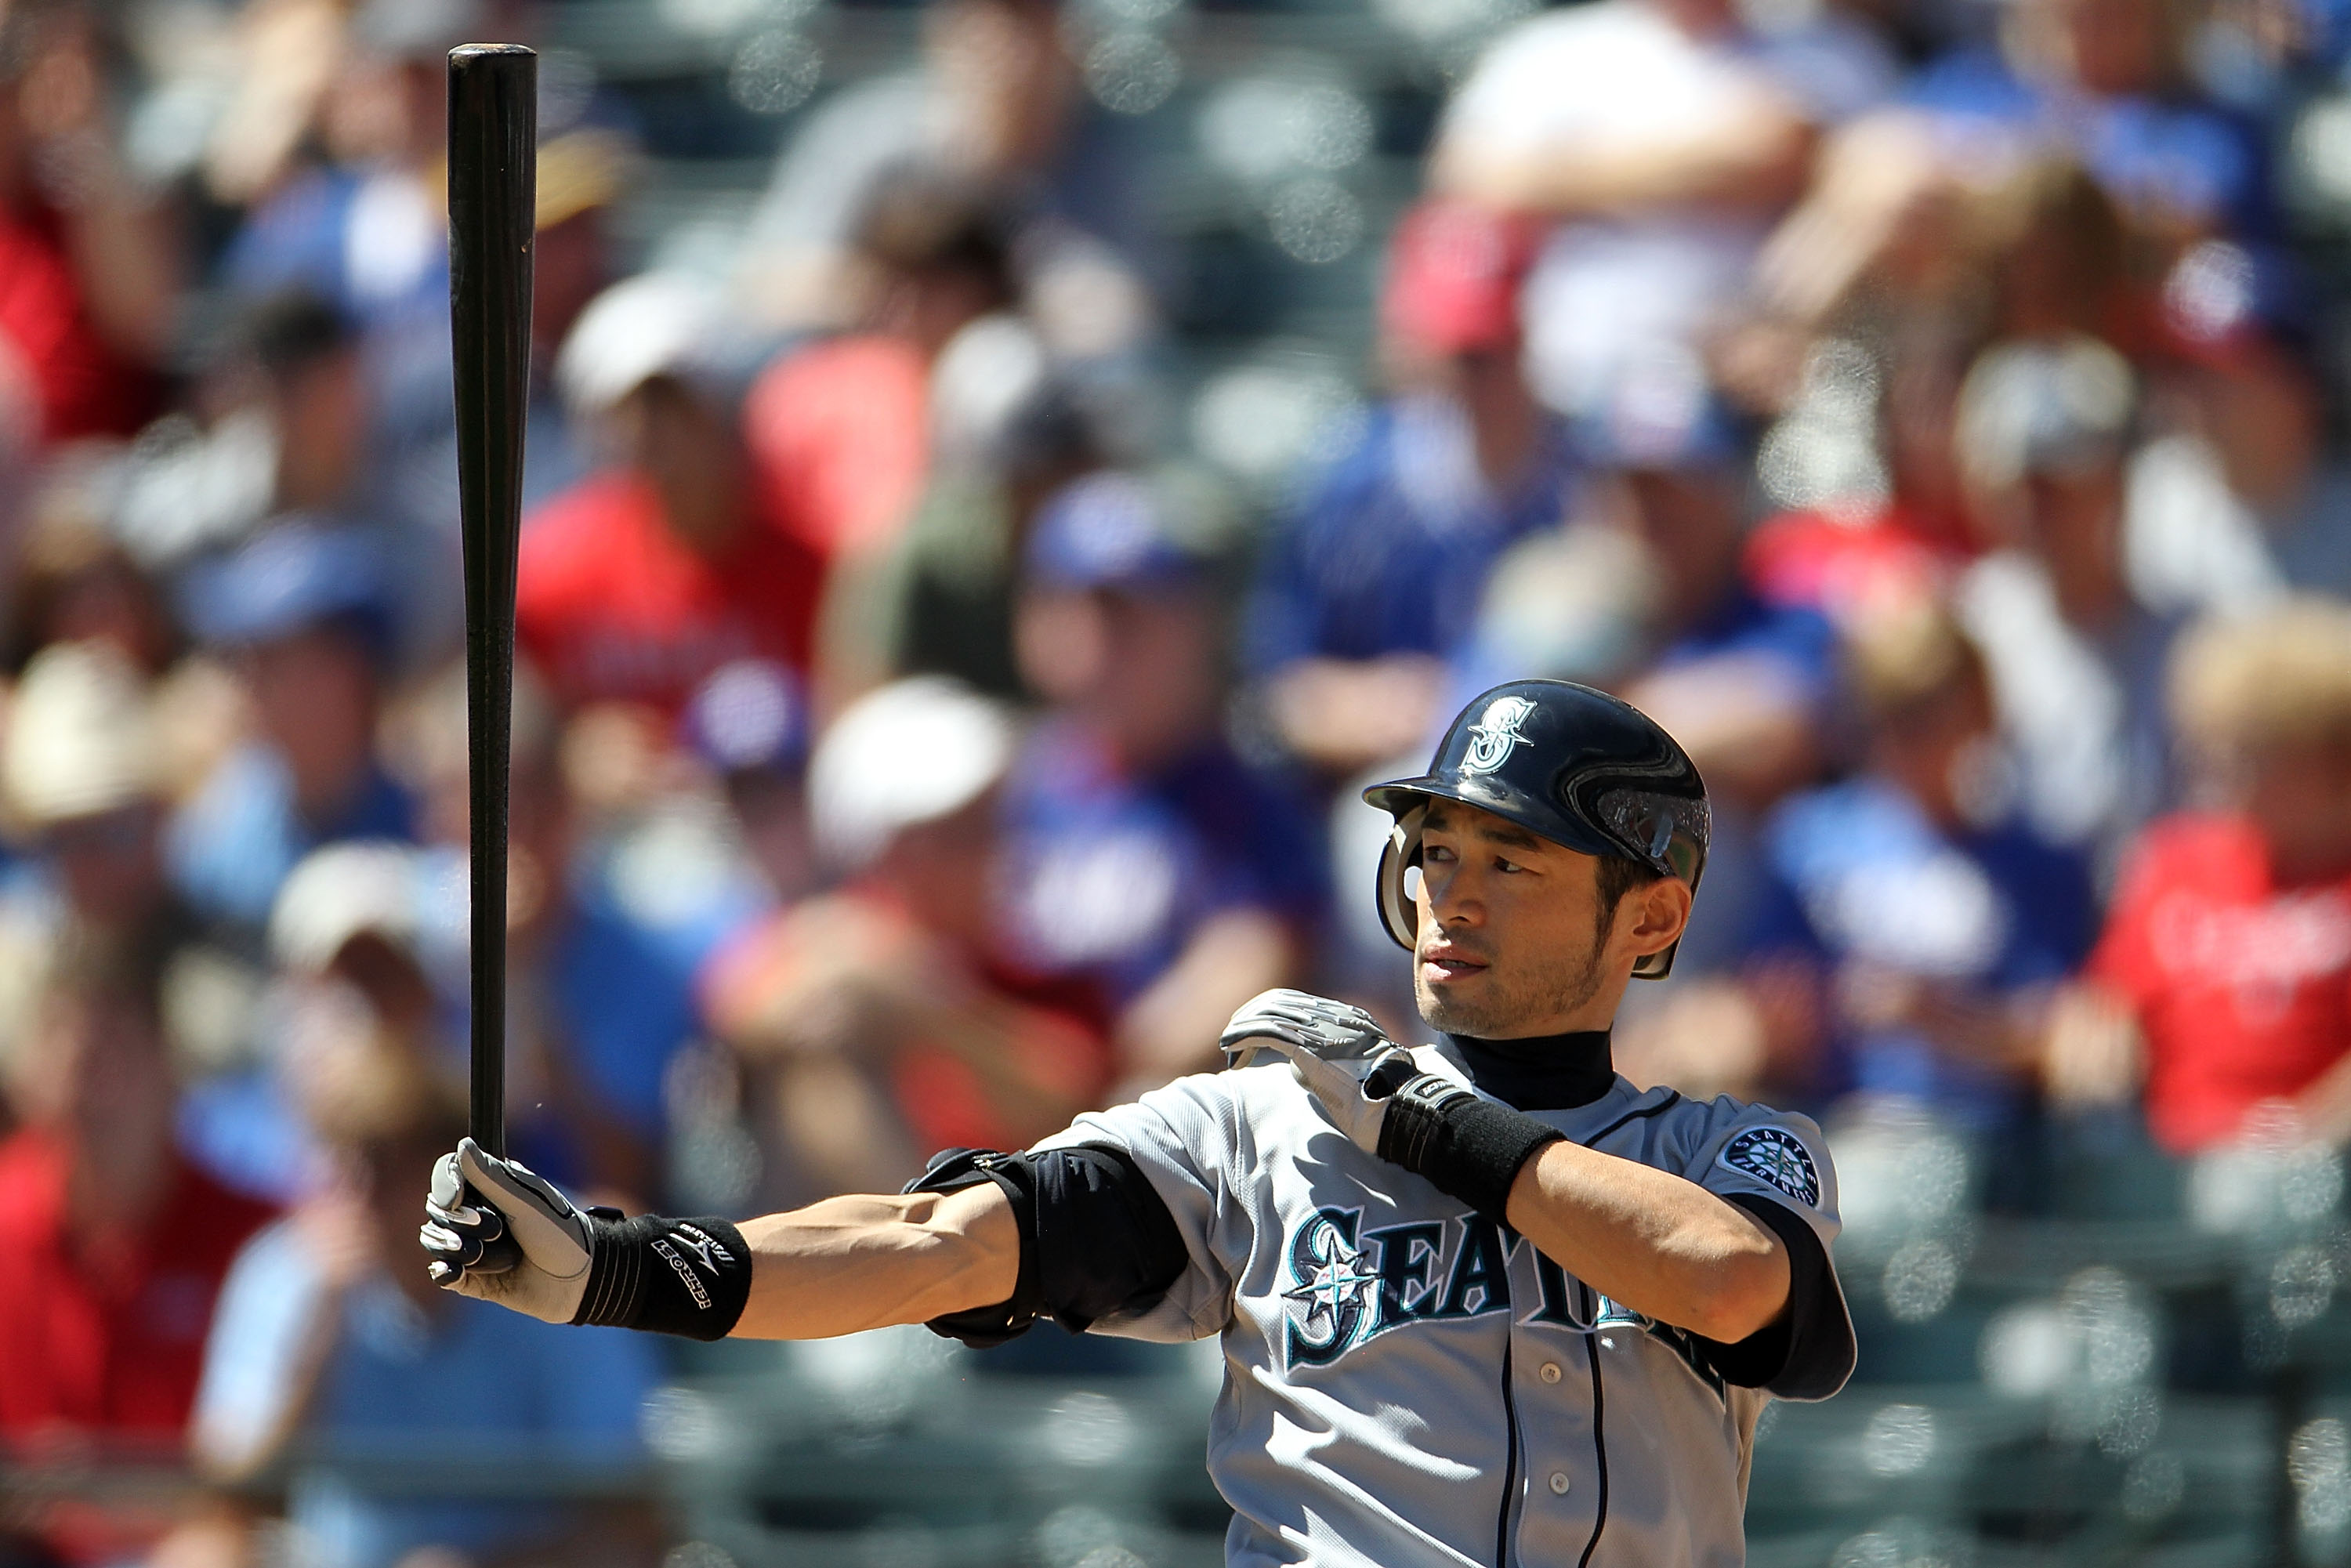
(1453, 998)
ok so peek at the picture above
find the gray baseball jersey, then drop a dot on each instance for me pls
(1407, 1382)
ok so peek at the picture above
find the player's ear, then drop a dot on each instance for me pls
(1652, 916)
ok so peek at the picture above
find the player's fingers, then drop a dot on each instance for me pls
(1267, 1025)
(448, 1186)
(468, 1238)
(1262, 999)
(1295, 1007)
(1251, 1045)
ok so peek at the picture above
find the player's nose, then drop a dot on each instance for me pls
(1451, 899)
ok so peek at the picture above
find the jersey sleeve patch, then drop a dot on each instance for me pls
(1776, 1157)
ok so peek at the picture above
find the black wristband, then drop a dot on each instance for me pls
(1467, 1147)
(688, 1277)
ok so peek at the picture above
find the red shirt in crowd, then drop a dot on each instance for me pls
(2242, 987)
(841, 434)
(1842, 566)
(109, 1346)
(613, 607)
(80, 385)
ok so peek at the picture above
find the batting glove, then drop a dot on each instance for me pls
(1338, 1052)
(497, 1231)
(1379, 1096)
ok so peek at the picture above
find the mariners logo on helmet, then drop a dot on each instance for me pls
(1496, 732)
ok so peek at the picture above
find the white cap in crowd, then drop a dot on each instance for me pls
(80, 736)
(909, 753)
(340, 891)
(654, 324)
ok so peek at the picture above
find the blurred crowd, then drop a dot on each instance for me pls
(1927, 411)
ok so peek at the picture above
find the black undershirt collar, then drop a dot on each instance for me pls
(1545, 1072)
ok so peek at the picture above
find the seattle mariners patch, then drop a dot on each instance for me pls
(1776, 1157)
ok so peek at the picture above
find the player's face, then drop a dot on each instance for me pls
(1513, 941)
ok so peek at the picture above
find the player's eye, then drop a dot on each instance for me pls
(1436, 854)
(1508, 867)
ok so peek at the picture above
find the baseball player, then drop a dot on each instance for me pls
(1482, 1301)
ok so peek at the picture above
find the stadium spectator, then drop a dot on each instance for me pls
(2223, 978)
(2104, 81)
(1940, 921)
(885, 1019)
(2077, 659)
(82, 777)
(841, 427)
(749, 725)
(1376, 575)
(287, 432)
(73, 581)
(1643, 587)
(622, 880)
(112, 1248)
(308, 612)
(329, 1356)
(2231, 499)
(639, 582)
(1144, 851)
(1663, 136)
(939, 601)
(994, 100)
(90, 275)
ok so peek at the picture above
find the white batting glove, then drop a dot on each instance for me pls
(1338, 1052)
(498, 1232)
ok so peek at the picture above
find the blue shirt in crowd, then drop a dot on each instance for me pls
(233, 846)
(403, 1394)
(1860, 876)
(2184, 158)
(1112, 873)
(619, 983)
(1389, 551)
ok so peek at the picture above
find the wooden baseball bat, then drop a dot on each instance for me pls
(493, 191)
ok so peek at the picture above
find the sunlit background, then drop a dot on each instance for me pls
(1002, 476)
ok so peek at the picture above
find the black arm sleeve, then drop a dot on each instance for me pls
(1094, 1237)
(1807, 1351)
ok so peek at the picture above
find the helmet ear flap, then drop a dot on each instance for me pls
(1397, 911)
(1656, 966)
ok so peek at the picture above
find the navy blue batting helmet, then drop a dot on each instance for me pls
(1567, 763)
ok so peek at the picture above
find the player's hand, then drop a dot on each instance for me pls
(497, 1231)
(1338, 1052)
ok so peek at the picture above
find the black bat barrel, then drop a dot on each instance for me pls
(493, 185)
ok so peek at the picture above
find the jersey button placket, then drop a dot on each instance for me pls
(1550, 1373)
(1559, 1483)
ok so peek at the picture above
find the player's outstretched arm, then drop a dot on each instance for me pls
(497, 1231)
(1646, 1238)
(853, 1263)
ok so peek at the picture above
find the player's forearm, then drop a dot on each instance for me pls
(853, 1263)
(1651, 1241)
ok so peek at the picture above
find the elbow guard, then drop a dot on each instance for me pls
(1095, 1239)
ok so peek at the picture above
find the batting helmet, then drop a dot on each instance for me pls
(1574, 766)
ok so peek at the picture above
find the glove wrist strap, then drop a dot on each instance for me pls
(686, 1277)
(1467, 1147)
